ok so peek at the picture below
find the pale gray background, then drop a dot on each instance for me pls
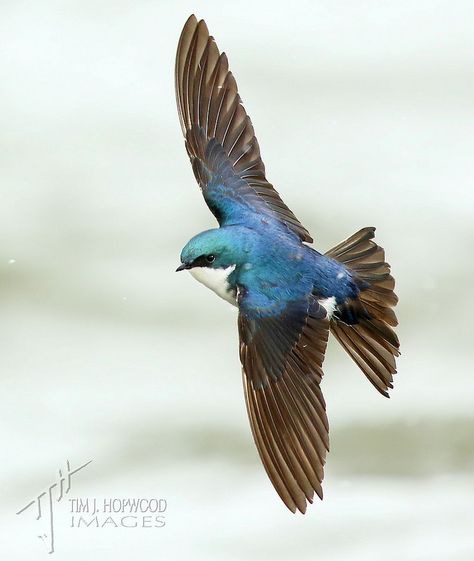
(364, 112)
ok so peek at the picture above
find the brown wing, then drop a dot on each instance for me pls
(219, 135)
(282, 358)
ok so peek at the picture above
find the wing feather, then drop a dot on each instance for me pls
(220, 139)
(282, 354)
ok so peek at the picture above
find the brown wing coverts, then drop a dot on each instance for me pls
(284, 401)
(210, 108)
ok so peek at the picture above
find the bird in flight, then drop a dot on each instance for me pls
(289, 296)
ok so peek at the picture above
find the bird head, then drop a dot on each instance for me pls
(218, 248)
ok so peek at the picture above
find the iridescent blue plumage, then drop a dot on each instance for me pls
(288, 294)
(272, 264)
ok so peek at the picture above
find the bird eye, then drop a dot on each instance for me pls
(210, 258)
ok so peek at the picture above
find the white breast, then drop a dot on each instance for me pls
(216, 280)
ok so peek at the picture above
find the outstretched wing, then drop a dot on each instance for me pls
(220, 139)
(282, 350)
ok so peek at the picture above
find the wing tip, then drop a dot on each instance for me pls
(191, 18)
(188, 28)
(192, 24)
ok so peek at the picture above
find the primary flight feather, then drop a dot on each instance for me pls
(289, 295)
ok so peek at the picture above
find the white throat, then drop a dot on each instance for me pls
(216, 280)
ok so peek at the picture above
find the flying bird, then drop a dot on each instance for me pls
(289, 296)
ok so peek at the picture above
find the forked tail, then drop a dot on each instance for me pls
(368, 336)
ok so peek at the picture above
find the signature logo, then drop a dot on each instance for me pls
(118, 512)
(46, 500)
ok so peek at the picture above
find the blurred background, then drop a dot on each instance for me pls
(364, 112)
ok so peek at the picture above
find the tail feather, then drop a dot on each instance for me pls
(370, 340)
(369, 355)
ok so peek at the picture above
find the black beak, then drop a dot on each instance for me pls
(182, 267)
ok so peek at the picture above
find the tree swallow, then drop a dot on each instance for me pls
(289, 296)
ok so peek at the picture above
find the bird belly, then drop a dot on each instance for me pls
(217, 280)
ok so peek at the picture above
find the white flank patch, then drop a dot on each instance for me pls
(216, 280)
(329, 304)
